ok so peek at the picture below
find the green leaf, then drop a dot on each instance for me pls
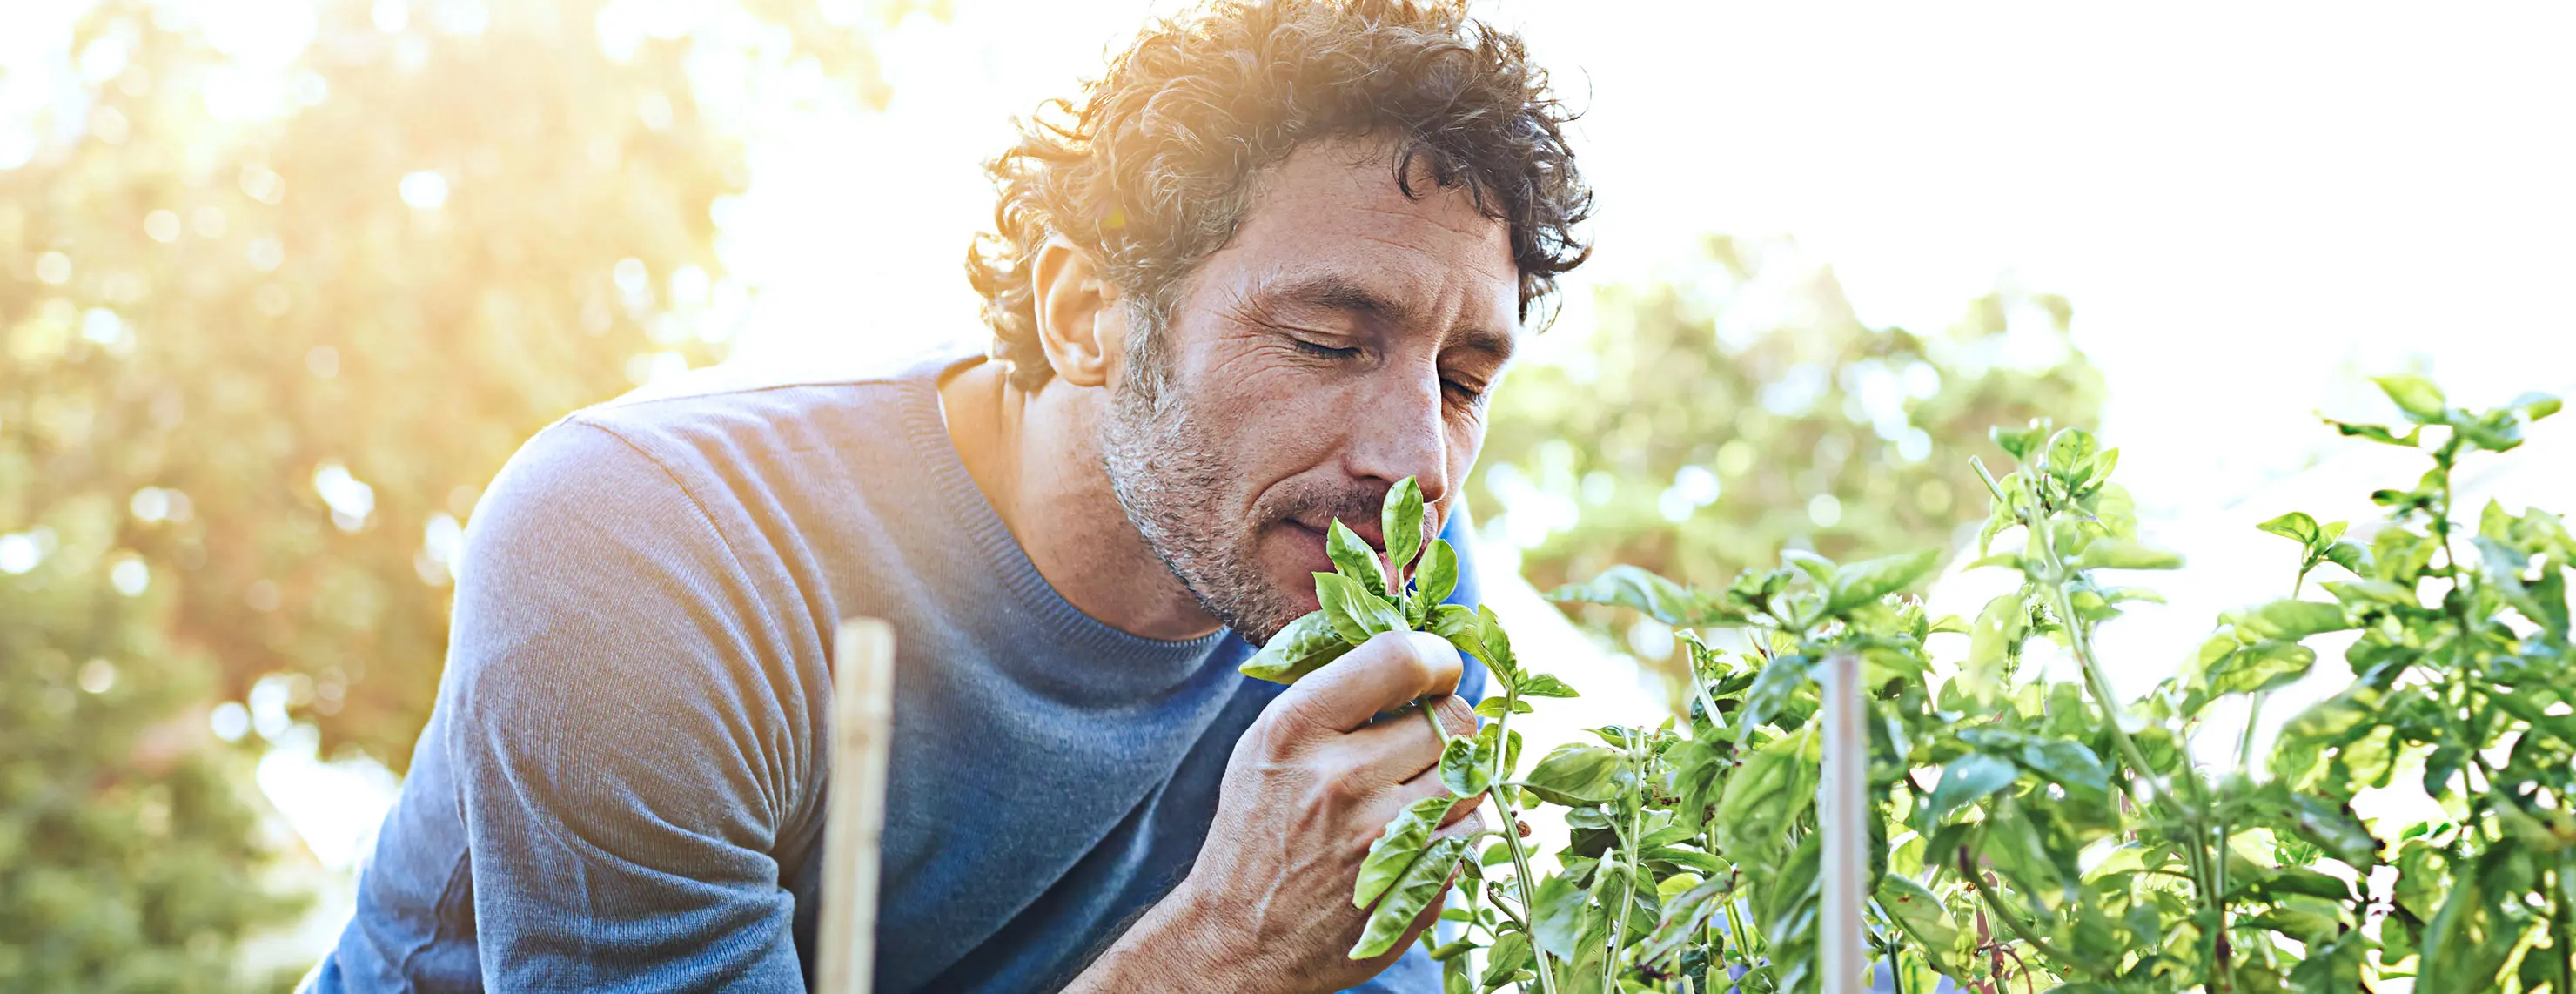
(1781, 680)
(2020, 444)
(1355, 613)
(1493, 707)
(2119, 553)
(1662, 599)
(2296, 526)
(2289, 620)
(2070, 454)
(1762, 796)
(1437, 577)
(1353, 558)
(1402, 520)
(1965, 781)
(2375, 433)
(2068, 763)
(1397, 846)
(2357, 594)
(2335, 829)
(1498, 646)
(1421, 884)
(2349, 556)
(1510, 954)
(1923, 917)
(1461, 627)
(1817, 568)
(2535, 406)
(2415, 395)
(1558, 919)
(1574, 774)
(1865, 582)
(2266, 665)
(1301, 648)
(1993, 643)
(1683, 919)
(1465, 768)
(1543, 685)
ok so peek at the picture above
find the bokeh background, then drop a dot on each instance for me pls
(283, 282)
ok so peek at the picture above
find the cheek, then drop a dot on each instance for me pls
(1269, 420)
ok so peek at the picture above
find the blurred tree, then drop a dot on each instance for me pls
(268, 327)
(1712, 419)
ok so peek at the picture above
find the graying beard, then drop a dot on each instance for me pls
(1163, 474)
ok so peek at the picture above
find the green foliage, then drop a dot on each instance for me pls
(2044, 834)
(1714, 413)
(256, 369)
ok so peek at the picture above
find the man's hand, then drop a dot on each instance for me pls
(1267, 907)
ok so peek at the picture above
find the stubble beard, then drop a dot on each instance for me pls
(1175, 482)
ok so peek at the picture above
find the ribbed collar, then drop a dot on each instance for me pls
(1081, 658)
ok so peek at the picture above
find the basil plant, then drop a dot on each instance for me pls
(2031, 832)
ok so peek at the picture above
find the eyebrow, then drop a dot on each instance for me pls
(1332, 291)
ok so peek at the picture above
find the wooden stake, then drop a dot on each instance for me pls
(862, 711)
(1842, 809)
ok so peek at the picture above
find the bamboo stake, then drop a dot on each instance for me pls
(862, 709)
(1841, 809)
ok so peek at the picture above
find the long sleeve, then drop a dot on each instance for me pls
(623, 759)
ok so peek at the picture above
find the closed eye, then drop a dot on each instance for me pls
(1324, 351)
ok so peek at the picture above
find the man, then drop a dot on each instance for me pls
(1269, 267)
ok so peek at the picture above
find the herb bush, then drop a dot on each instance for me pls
(2031, 833)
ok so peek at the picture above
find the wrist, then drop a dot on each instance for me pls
(1176, 945)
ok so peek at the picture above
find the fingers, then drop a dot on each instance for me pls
(1382, 674)
(1400, 748)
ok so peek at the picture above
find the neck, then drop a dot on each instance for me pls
(1036, 457)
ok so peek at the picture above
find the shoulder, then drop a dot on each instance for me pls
(697, 444)
(739, 412)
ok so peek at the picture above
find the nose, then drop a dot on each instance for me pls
(1403, 431)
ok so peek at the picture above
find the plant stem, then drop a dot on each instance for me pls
(1522, 878)
(1984, 890)
(1628, 897)
(2079, 642)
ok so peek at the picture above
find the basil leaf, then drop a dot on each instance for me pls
(1662, 599)
(1510, 955)
(1683, 919)
(1304, 646)
(1965, 781)
(2418, 397)
(1543, 685)
(1460, 626)
(1558, 919)
(1421, 884)
(1402, 520)
(1574, 774)
(1354, 612)
(1865, 582)
(1396, 848)
(1498, 647)
(1353, 558)
(1465, 768)
(1437, 577)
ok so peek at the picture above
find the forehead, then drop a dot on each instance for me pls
(1331, 211)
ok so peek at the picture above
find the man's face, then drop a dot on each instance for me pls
(1344, 339)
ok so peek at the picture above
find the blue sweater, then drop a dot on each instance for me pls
(622, 784)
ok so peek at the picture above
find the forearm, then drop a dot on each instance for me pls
(1173, 947)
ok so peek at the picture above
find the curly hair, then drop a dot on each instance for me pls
(1150, 174)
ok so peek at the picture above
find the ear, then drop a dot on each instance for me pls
(1078, 320)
